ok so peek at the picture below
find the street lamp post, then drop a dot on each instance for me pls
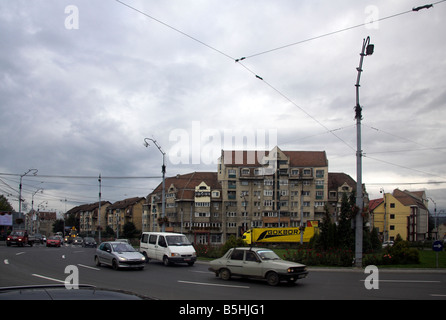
(163, 170)
(34, 172)
(367, 49)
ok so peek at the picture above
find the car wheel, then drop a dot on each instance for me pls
(225, 274)
(97, 262)
(115, 265)
(272, 278)
(166, 261)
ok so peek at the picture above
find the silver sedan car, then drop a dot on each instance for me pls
(119, 255)
(257, 263)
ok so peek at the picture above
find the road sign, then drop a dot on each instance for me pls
(437, 246)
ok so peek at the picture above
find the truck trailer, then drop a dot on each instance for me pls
(280, 235)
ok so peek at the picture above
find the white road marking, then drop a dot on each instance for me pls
(408, 281)
(47, 278)
(19, 253)
(88, 267)
(214, 284)
(6, 261)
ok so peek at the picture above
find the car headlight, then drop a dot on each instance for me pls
(290, 270)
(173, 254)
(143, 258)
(122, 259)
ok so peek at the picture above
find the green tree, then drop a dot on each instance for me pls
(4, 204)
(327, 233)
(345, 234)
(58, 226)
(129, 231)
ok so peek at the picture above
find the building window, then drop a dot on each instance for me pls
(268, 203)
(245, 172)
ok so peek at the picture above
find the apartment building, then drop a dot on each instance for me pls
(271, 188)
(124, 211)
(87, 214)
(401, 212)
(193, 207)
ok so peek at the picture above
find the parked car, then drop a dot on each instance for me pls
(119, 255)
(53, 241)
(387, 244)
(257, 263)
(89, 242)
(167, 247)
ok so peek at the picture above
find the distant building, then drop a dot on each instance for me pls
(124, 211)
(401, 212)
(193, 207)
(271, 188)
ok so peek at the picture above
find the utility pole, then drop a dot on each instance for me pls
(163, 170)
(99, 209)
(367, 49)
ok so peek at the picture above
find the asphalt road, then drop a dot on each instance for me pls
(41, 265)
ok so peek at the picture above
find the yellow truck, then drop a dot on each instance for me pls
(273, 235)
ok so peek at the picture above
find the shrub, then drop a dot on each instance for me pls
(311, 257)
(400, 253)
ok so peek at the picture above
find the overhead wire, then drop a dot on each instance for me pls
(239, 61)
(339, 31)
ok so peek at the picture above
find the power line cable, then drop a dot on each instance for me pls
(339, 31)
(177, 30)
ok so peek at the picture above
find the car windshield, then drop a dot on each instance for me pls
(177, 241)
(17, 233)
(53, 238)
(122, 247)
(268, 255)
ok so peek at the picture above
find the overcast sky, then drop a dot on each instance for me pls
(83, 82)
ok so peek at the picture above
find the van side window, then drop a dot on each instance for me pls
(152, 239)
(237, 255)
(144, 238)
(162, 241)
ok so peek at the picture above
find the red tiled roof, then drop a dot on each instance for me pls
(373, 204)
(186, 183)
(296, 158)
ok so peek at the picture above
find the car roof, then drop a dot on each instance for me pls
(165, 233)
(252, 248)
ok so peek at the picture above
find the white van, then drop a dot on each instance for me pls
(167, 247)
